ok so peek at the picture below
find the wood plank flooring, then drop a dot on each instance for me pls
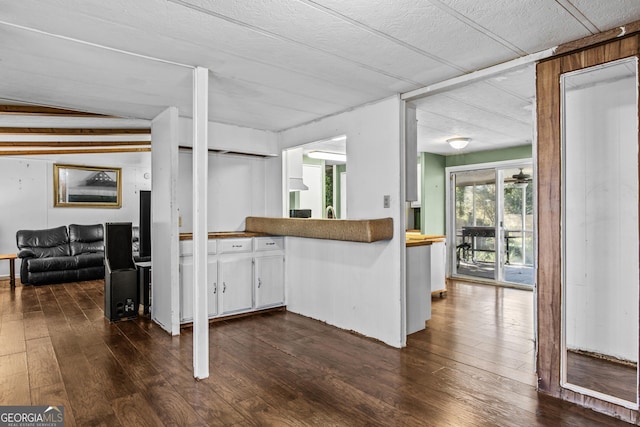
(472, 366)
(606, 376)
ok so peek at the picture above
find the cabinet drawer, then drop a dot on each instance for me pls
(234, 245)
(186, 247)
(269, 243)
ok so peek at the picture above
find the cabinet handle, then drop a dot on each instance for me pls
(224, 287)
(215, 287)
(259, 282)
(271, 244)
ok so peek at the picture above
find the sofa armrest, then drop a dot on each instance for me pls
(26, 253)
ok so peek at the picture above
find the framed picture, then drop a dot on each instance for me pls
(87, 186)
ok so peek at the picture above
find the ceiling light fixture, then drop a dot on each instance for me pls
(458, 143)
(326, 155)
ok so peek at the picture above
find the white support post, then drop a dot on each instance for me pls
(200, 231)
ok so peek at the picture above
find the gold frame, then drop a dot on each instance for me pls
(65, 176)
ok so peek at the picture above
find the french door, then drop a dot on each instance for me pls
(491, 222)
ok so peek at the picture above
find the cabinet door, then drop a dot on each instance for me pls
(269, 281)
(212, 288)
(234, 284)
(186, 289)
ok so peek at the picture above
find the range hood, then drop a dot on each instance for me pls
(294, 170)
(296, 184)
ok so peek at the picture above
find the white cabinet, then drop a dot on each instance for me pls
(244, 274)
(235, 276)
(438, 267)
(268, 282)
(418, 287)
(418, 203)
(186, 280)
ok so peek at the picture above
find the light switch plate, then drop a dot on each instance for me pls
(387, 201)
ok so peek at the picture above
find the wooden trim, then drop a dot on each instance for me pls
(606, 36)
(73, 131)
(74, 151)
(70, 143)
(37, 110)
(549, 251)
(549, 172)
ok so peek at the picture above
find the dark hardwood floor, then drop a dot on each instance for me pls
(606, 376)
(472, 366)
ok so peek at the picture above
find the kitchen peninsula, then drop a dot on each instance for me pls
(319, 268)
(425, 274)
(246, 268)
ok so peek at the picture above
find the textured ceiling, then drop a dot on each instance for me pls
(276, 64)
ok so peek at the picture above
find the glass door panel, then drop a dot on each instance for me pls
(475, 223)
(517, 225)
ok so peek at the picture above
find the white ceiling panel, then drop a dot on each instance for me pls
(65, 73)
(427, 28)
(316, 30)
(495, 112)
(531, 25)
(608, 14)
(276, 64)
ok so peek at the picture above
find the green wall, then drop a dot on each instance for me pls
(433, 212)
(511, 153)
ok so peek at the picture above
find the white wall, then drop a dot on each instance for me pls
(602, 219)
(233, 138)
(27, 195)
(238, 187)
(355, 286)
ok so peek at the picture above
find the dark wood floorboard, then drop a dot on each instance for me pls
(472, 366)
(616, 379)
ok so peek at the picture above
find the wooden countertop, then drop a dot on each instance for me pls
(417, 239)
(352, 230)
(225, 235)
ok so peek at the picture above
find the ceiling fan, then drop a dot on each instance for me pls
(520, 179)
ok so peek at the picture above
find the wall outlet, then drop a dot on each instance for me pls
(387, 201)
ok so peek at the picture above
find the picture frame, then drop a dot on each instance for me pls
(87, 186)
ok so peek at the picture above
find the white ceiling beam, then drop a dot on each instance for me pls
(476, 75)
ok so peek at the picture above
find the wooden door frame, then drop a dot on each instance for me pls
(549, 172)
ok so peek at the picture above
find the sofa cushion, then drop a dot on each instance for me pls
(90, 260)
(52, 242)
(36, 265)
(49, 277)
(86, 238)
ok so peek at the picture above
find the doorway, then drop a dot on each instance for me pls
(490, 210)
(317, 179)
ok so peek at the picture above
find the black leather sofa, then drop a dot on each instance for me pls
(58, 255)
